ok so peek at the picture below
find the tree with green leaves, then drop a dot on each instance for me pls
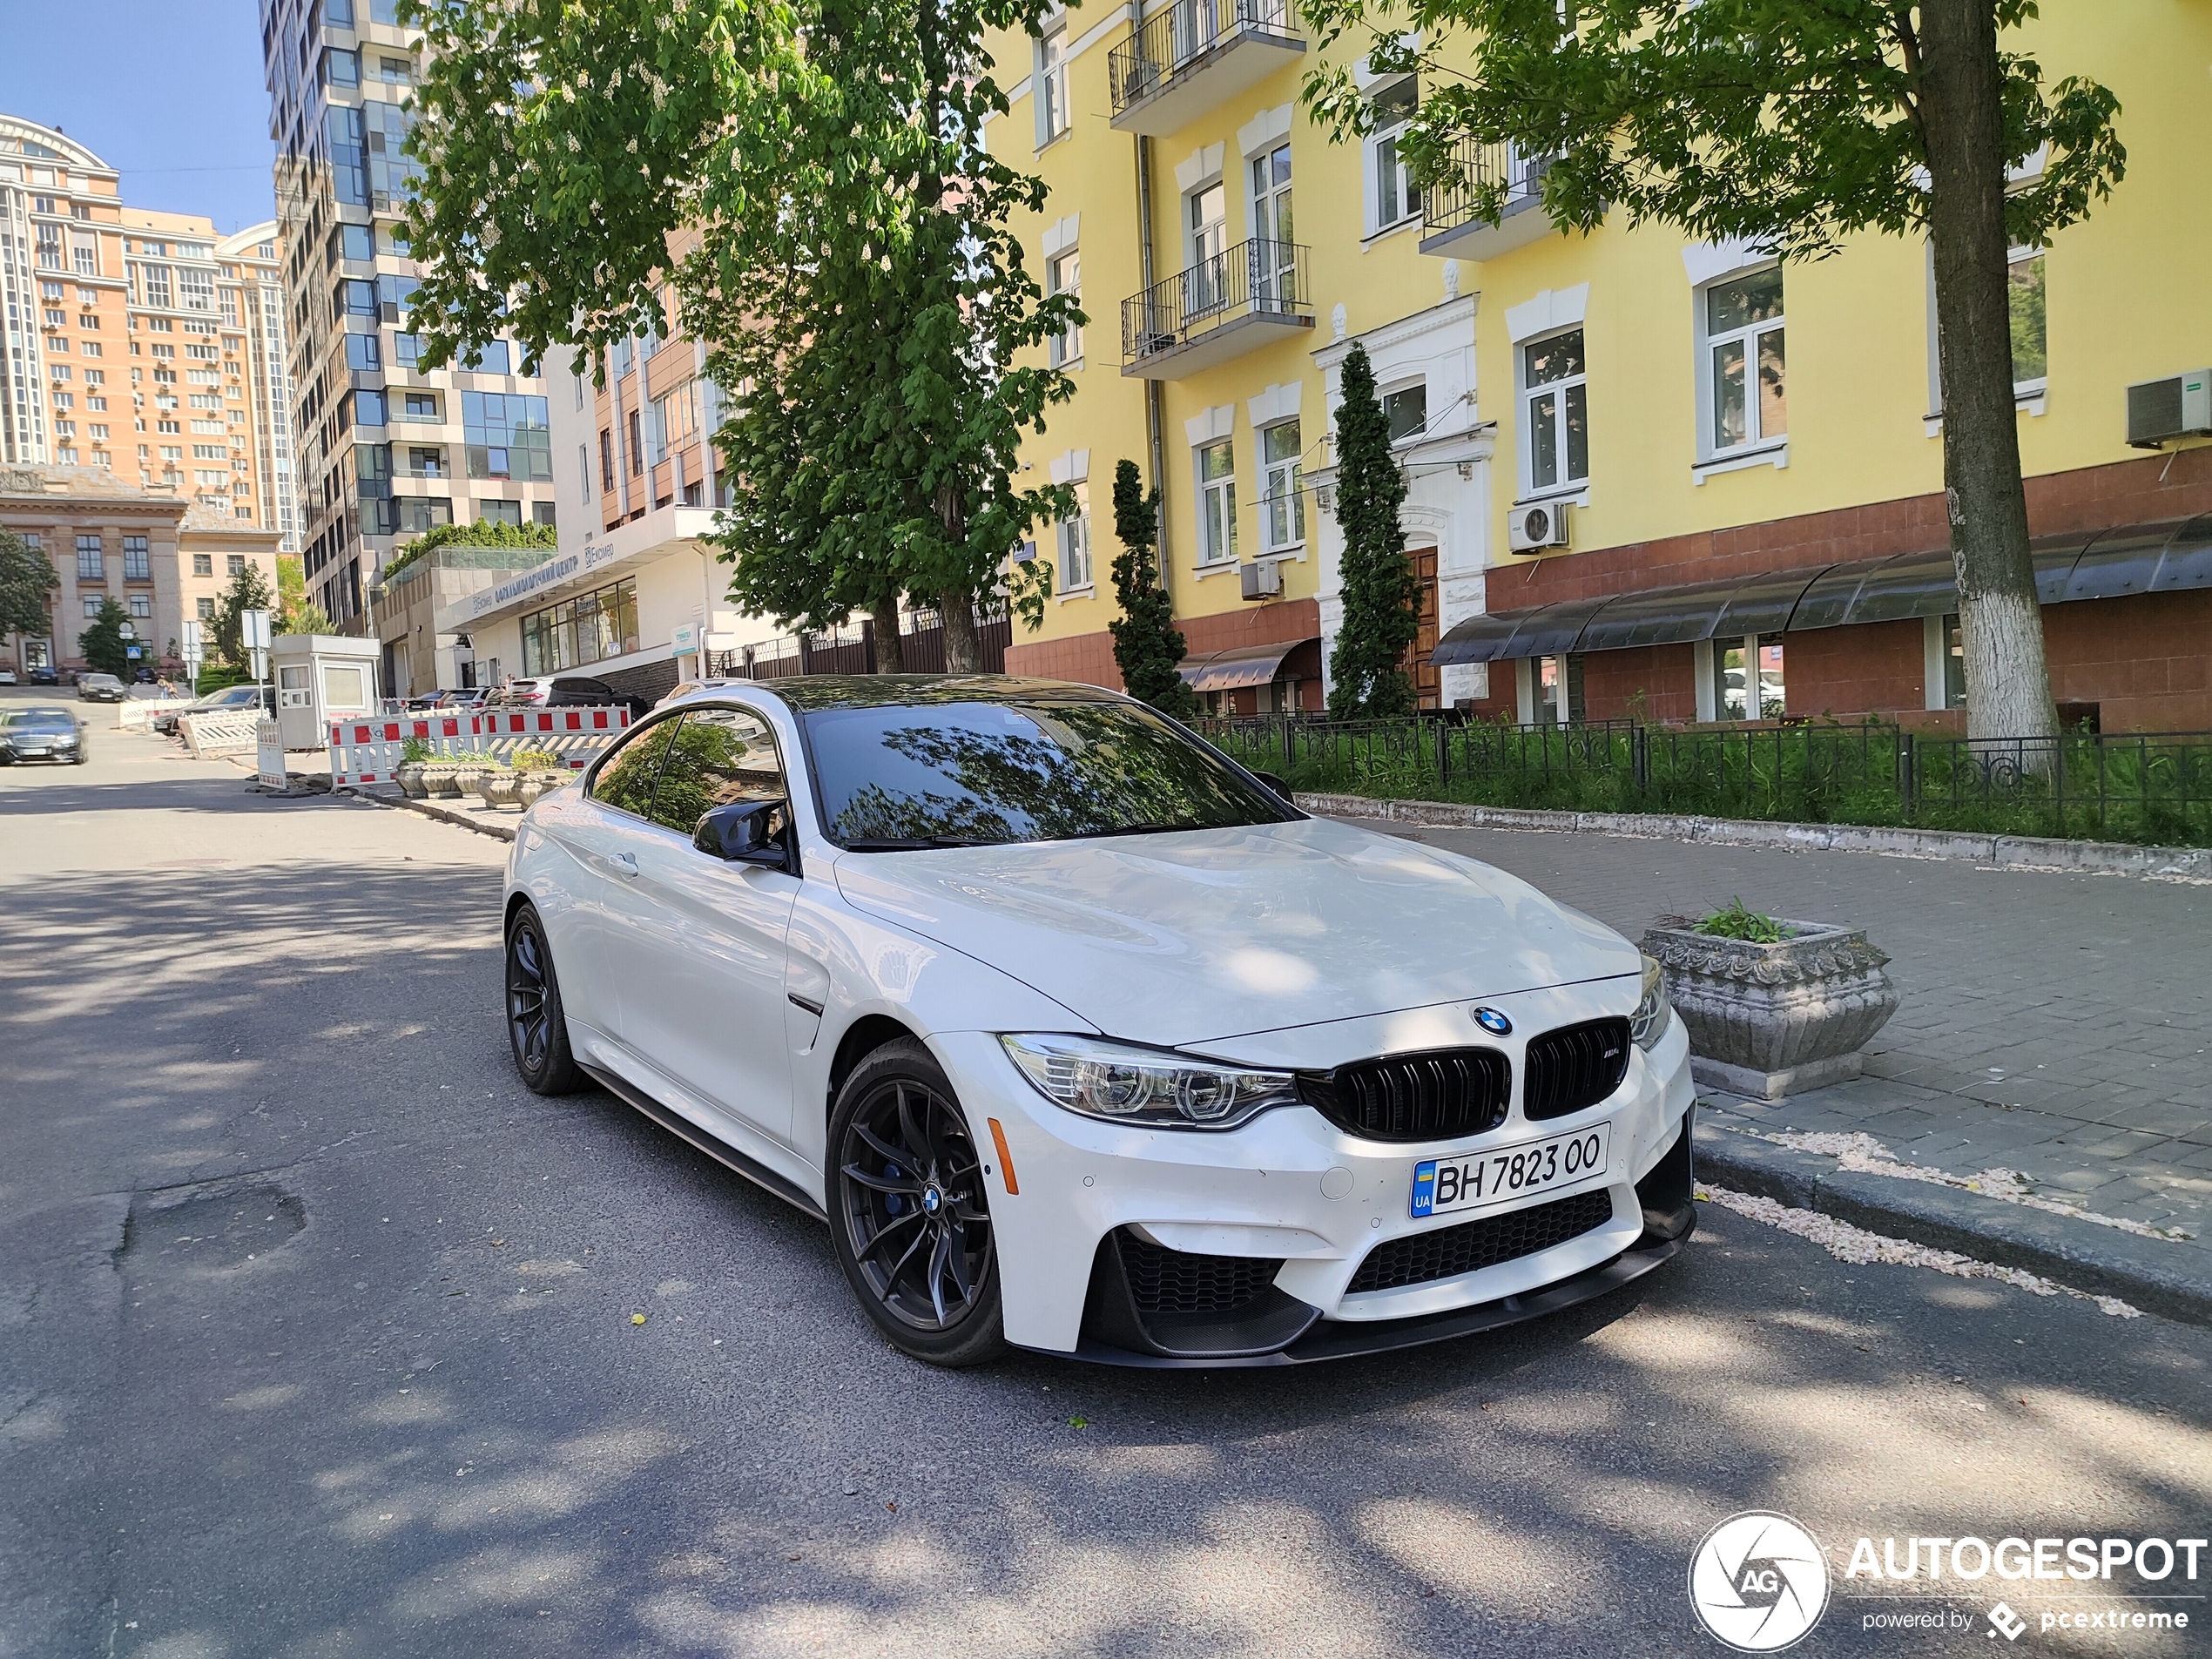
(103, 646)
(1367, 678)
(26, 577)
(1791, 127)
(806, 184)
(1147, 647)
(247, 590)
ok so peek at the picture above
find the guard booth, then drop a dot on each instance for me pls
(320, 678)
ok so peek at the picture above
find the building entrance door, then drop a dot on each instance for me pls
(1428, 679)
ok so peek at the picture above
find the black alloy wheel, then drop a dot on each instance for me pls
(537, 1031)
(911, 1215)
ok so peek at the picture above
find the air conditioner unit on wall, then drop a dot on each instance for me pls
(1261, 580)
(1531, 529)
(2179, 408)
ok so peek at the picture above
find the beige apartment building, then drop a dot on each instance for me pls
(138, 341)
(161, 556)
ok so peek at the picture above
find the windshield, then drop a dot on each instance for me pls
(42, 720)
(1042, 769)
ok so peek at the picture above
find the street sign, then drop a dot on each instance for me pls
(133, 652)
(254, 629)
(261, 663)
(126, 630)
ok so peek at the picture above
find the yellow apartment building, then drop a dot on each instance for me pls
(1647, 476)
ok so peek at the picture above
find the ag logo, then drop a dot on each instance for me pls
(1759, 1581)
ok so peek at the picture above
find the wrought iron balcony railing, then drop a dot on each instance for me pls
(1181, 37)
(1255, 279)
(1453, 206)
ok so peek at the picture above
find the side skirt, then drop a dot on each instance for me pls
(720, 1151)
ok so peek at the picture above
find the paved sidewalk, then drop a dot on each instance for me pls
(2055, 1025)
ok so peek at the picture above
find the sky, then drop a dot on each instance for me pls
(169, 94)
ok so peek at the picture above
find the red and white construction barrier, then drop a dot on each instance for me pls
(367, 749)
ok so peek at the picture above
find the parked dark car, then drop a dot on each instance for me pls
(43, 674)
(235, 697)
(143, 676)
(42, 734)
(566, 691)
(98, 688)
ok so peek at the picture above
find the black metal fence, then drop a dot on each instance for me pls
(2153, 788)
(1174, 39)
(1255, 277)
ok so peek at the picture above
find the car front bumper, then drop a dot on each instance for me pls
(1291, 1188)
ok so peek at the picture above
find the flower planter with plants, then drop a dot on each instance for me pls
(1773, 1006)
(537, 772)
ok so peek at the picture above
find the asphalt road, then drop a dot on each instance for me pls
(317, 1337)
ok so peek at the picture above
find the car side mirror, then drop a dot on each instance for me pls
(742, 832)
(1276, 783)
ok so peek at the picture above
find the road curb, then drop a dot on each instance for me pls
(2002, 851)
(439, 810)
(2150, 1273)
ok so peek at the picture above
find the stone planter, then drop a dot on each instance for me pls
(410, 779)
(468, 774)
(497, 786)
(441, 781)
(1766, 1020)
(529, 785)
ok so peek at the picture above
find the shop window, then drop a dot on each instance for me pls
(1557, 685)
(1954, 665)
(1747, 678)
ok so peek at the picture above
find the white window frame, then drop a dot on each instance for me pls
(1372, 165)
(1216, 499)
(1072, 538)
(1407, 384)
(2034, 386)
(1049, 85)
(1282, 491)
(1065, 349)
(1757, 441)
(1527, 393)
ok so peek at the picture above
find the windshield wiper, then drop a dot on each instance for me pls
(1133, 829)
(908, 843)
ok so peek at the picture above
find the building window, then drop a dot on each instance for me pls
(1954, 665)
(407, 349)
(370, 408)
(142, 605)
(507, 436)
(1064, 274)
(1051, 84)
(196, 288)
(492, 358)
(235, 563)
(1282, 504)
(419, 513)
(90, 566)
(584, 469)
(1557, 401)
(584, 629)
(205, 607)
(424, 461)
(92, 603)
(137, 567)
(2031, 350)
(500, 512)
(1392, 193)
(606, 462)
(362, 353)
(637, 454)
(419, 406)
(1405, 409)
(1075, 544)
(1217, 503)
(1734, 695)
(341, 67)
(1275, 251)
(1746, 382)
(203, 564)
(1556, 686)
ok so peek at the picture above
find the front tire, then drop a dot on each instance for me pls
(909, 1209)
(538, 1029)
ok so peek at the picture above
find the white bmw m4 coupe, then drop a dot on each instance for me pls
(1082, 1038)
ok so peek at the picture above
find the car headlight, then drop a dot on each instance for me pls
(1124, 1083)
(1648, 1024)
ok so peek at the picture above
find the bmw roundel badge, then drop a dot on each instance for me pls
(1493, 1021)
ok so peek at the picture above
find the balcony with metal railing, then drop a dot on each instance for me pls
(1223, 305)
(1190, 56)
(1455, 219)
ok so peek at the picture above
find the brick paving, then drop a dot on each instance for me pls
(2054, 1024)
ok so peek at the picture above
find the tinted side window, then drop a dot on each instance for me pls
(626, 779)
(719, 756)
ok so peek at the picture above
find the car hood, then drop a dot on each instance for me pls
(1202, 934)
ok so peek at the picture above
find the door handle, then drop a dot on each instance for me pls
(623, 862)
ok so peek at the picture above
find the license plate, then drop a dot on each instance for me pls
(1442, 1185)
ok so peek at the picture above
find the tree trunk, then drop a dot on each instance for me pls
(963, 653)
(2008, 681)
(890, 650)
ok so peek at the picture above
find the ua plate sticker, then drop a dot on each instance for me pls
(1442, 1185)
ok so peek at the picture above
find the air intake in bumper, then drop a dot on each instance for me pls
(1448, 1252)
